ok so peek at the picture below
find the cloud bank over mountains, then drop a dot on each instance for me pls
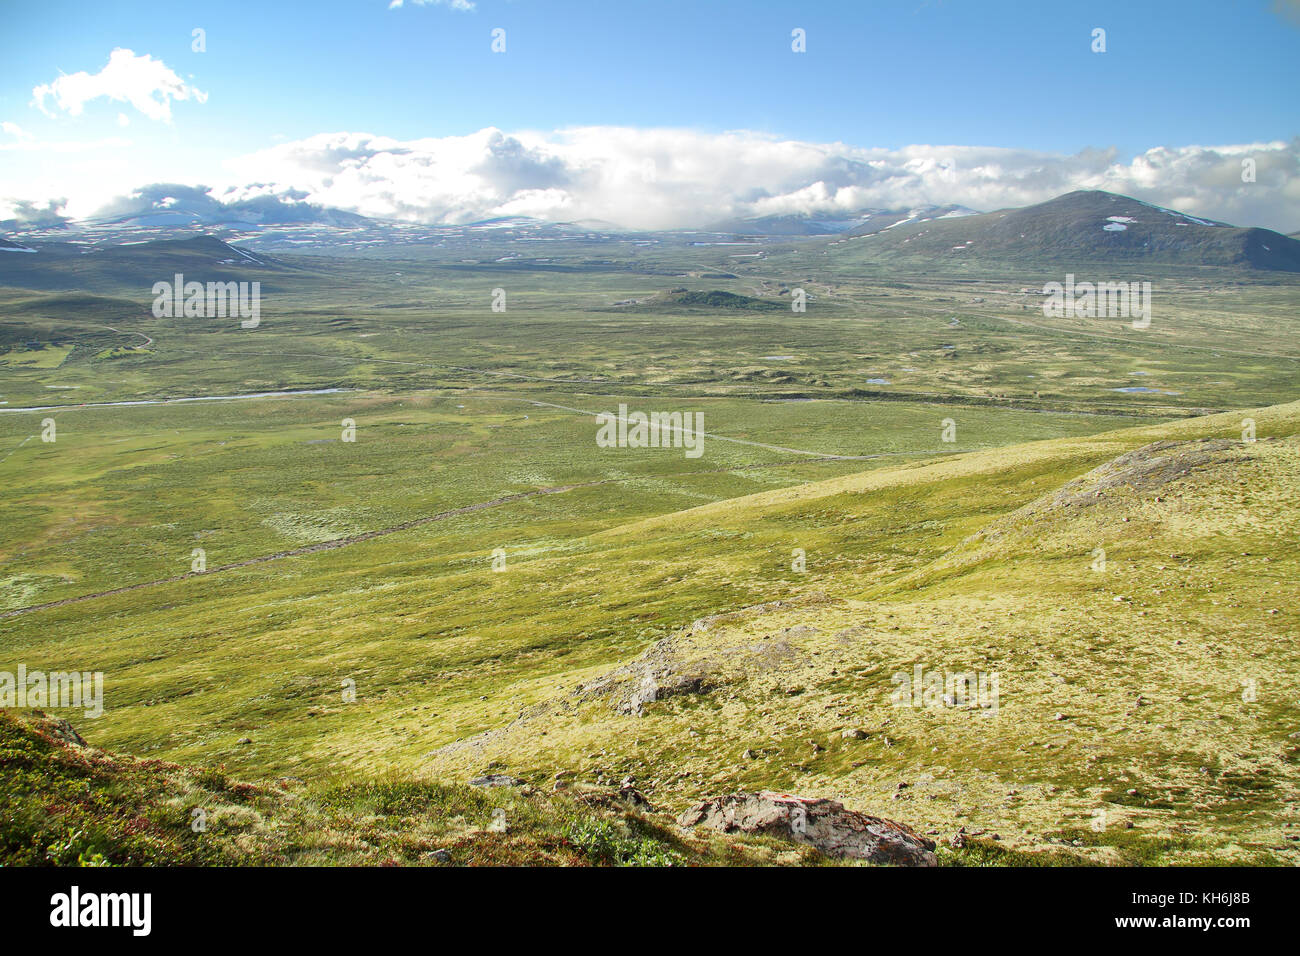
(253, 204)
(670, 178)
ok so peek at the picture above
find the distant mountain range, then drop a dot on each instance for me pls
(270, 220)
(1085, 226)
(1082, 227)
(858, 224)
(284, 228)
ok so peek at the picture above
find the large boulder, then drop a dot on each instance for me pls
(824, 824)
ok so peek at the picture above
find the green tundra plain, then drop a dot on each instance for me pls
(1105, 531)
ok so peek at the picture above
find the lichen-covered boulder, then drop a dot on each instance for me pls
(824, 824)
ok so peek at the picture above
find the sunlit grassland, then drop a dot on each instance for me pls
(414, 607)
(426, 629)
(452, 405)
(126, 494)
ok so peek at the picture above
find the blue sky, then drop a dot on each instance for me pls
(1015, 75)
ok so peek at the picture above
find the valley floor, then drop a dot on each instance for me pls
(1028, 588)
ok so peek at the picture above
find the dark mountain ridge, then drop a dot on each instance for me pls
(1083, 226)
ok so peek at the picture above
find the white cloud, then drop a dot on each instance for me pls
(661, 178)
(16, 131)
(454, 4)
(147, 84)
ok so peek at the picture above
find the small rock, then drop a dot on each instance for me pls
(496, 780)
(245, 740)
(853, 733)
(630, 794)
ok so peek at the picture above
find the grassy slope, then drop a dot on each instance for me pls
(897, 575)
(1145, 662)
(439, 646)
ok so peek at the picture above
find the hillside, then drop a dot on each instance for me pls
(1080, 227)
(66, 803)
(987, 563)
(67, 266)
(1087, 669)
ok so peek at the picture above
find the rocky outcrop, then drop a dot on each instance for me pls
(659, 673)
(824, 824)
(496, 780)
(1131, 477)
(1145, 469)
(696, 660)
